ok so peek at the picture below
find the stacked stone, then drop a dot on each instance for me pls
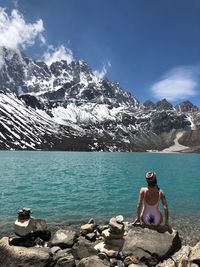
(114, 235)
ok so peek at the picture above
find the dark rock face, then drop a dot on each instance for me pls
(163, 105)
(165, 122)
(31, 101)
(149, 105)
(66, 107)
(186, 106)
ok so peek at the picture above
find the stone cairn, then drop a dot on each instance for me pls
(114, 235)
(29, 231)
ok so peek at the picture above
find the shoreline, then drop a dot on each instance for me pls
(116, 243)
(189, 233)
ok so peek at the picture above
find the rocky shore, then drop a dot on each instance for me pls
(116, 244)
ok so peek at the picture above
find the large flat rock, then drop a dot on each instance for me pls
(16, 256)
(150, 244)
(64, 238)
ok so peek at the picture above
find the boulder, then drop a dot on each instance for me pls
(181, 256)
(93, 261)
(64, 238)
(66, 261)
(167, 263)
(195, 254)
(108, 235)
(101, 228)
(91, 236)
(87, 228)
(150, 245)
(131, 260)
(110, 251)
(16, 256)
(83, 248)
(115, 226)
(61, 254)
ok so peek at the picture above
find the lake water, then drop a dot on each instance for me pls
(71, 187)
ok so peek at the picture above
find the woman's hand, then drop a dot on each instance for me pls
(137, 221)
(168, 227)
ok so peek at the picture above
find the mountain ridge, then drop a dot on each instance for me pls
(69, 108)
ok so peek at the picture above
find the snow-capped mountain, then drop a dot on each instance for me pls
(67, 107)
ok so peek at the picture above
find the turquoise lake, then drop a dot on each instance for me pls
(72, 187)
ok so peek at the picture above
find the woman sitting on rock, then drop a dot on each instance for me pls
(150, 197)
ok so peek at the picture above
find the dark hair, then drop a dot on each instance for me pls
(152, 183)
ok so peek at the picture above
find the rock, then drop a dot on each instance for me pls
(101, 228)
(55, 249)
(61, 254)
(116, 227)
(113, 262)
(111, 239)
(91, 221)
(137, 265)
(119, 219)
(21, 241)
(64, 238)
(91, 236)
(181, 255)
(195, 254)
(120, 263)
(16, 256)
(92, 261)
(31, 225)
(150, 244)
(67, 261)
(130, 260)
(83, 248)
(115, 242)
(108, 235)
(110, 251)
(167, 263)
(87, 228)
(103, 256)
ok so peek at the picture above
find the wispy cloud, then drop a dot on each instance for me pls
(16, 33)
(177, 84)
(102, 73)
(56, 54)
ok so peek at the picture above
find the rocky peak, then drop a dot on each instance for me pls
(149, 105)
(163, 105)
(186, 106)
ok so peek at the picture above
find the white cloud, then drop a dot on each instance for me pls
(15, 32)
(101, 73)
(178, 84)
(57, 54)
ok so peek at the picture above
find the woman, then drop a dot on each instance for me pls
(150, 197)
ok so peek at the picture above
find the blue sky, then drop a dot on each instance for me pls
(152, 48)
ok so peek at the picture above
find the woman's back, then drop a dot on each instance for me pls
(151, 213)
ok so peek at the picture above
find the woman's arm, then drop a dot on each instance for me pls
(139, 206)
(166, 211)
